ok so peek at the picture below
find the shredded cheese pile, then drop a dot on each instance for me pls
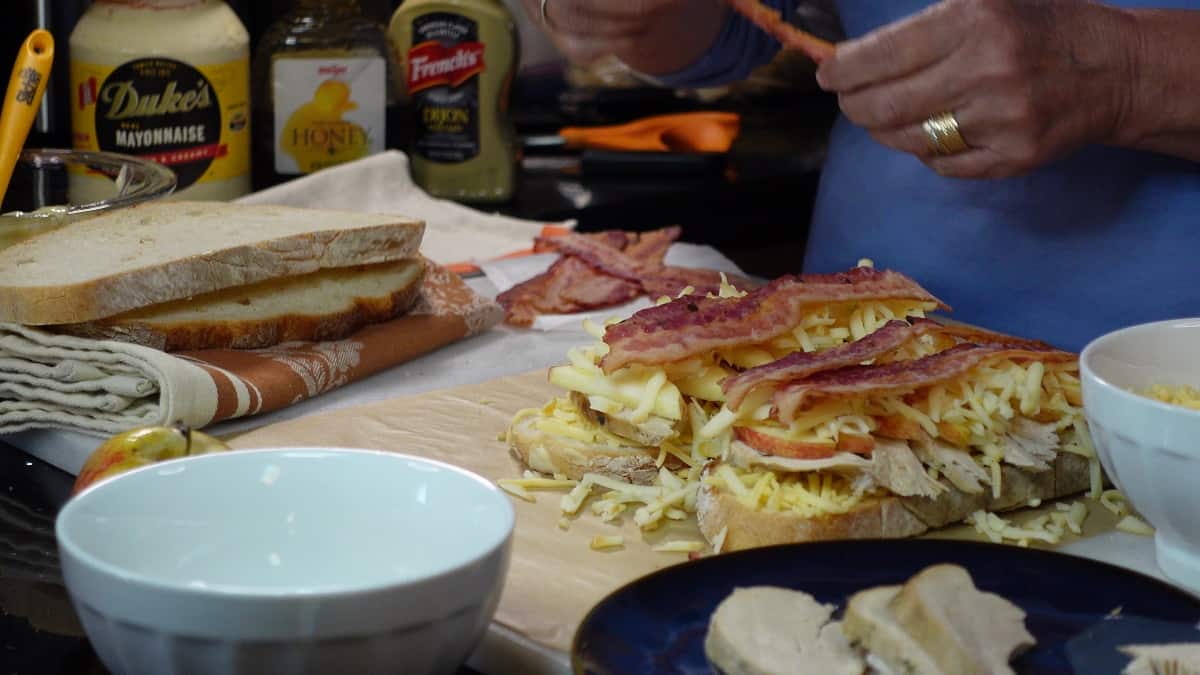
(1115, 502)
(808, 494)
(1183, 395)
(1047, 527)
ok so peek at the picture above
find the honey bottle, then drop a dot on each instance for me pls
(457, 59)
(323, 91)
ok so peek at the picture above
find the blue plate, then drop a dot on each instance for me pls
(657, 623)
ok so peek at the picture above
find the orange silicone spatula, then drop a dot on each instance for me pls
(25, 89)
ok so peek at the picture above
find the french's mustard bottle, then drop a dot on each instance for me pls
(323, 91)
(457, 59)
(167, 80)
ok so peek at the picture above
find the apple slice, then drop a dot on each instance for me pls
(782, 446)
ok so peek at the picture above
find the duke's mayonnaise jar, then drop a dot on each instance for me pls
(167, 80)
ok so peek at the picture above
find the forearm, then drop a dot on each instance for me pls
(1161, 112)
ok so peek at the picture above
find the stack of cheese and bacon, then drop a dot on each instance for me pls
(816, 407)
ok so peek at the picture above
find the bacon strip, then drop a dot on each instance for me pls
(671, 281)
(618, 239)
(799, 365)
(572, 285)
(620, 267)
(772, 23)
(545, 293)
(597, 290)
(596, 253)
(651, 247)
(905, 376)
(694, 325)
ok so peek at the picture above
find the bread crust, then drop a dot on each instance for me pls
(343, 317)
(205, 247)
(882, 518)
(872, 518)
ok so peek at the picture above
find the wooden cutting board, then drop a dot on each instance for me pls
(555, 577)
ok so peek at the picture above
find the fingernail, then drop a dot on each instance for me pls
(822, 79)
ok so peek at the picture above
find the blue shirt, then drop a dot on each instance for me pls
(1103, 238)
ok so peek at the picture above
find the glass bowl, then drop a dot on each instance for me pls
(51, 188)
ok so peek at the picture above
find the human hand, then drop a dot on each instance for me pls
(1027, 81)
(652, 36)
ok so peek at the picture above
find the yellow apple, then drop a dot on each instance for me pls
(142, 446)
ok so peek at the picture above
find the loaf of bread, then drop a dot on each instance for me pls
(325, 305)
(158, 252)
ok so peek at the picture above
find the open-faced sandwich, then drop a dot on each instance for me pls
(816, 407)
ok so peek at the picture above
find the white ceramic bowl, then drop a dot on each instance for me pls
(1150, 450)
(300, 560)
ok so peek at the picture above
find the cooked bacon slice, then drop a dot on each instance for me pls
(651, 247)
(599, 255)
(799, 365)
(600, 290)
(694, 325)
(544, 293)
(572, 285)
(671, 281)
(905, 376)
(620, 267)
(770, 21)
(618, 239)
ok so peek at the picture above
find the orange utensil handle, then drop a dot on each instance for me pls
(25, 89)
(789, 36)
(680, 132)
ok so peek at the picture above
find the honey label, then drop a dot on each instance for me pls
(193, 119)
(327, 111)
(444, 64)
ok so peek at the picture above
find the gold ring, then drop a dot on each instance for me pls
(944, 135)
(545, 16)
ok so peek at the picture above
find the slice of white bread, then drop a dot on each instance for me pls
(938, 623)
(553, 454)
(882, 518)
(324, 305)
(162, 251)
(764, 630)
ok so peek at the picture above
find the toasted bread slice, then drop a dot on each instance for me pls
(650, 433)
(552, 453)
(157, 252)
(325, 305)
(881, 517)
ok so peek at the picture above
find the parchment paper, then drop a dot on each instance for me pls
(555, 577)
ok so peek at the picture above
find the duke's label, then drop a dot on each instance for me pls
(327, 111)
(444, 64)
(194, 119)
